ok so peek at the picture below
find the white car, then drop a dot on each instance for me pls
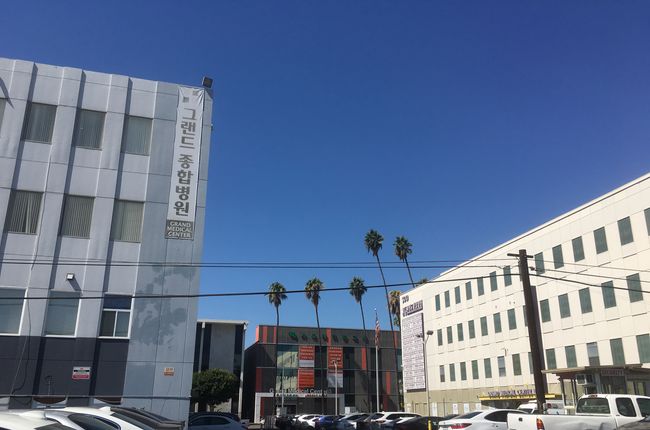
(311, 422)
(124, 422)
(214, 422)
(74, 420)
(11, 421)
(349, 421)
(495, 419)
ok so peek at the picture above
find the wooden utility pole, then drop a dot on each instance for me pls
(534, 331)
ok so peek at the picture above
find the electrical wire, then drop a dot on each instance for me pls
(593, 275)
(614, 287)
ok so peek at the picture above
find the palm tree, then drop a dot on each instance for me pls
(276, 294)
(422, 281)
(402, 250)
(394, 307)
(313, 288)
(373, 241)
(357, 290)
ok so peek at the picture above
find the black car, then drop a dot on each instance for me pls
(155, 421)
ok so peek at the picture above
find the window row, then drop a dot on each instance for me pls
(24, 211)
(38, 126)
(625, 236)
(62, 311)
(593, 356)
(448, 372)
(483, 324)
(469, 289)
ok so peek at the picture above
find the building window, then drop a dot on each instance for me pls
(609, 297)
(497, 322)
(137, 135)
(512, 319)
(437, 302)
(11, 309)
(447, 299)
(585, 300)
(440, 337)
(516, 364)
(570, 352)
(89, 129)
(625, 231)
(484, 327)
(39, 122)
(116, 314)
(471, 329)
(442, 373)
(127, 221)
(565, 311)
(507, 276)
(487, 366)
(558, 258)
(592, 354)
(479, 286)
(545, 310)
(452, 372)
(618, 356)
(523, 308)
(457, 294)
(468, 291)
(450, 335)
(530, 363)
(463, 371)
(77, 215)
(62, 310)
(643, 345)
(600, 238)
(578, 249)
(493, 281)
(550, 359)
(539, 263)
(634, 287)
(2, 110)
(459, 329)
(23, 212)
(501, 363)
(647, 220)
(474, 369)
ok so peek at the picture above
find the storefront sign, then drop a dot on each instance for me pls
(297, 392)
(80, 373)
(413, 352)
(306, 355)
(612, 372)
(169, 371)
(305, 378)
(522, 394)
(185, 164)
(412, 308)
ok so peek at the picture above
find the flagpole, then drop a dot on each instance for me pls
(377, 357)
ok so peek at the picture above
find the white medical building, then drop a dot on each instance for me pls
(589, 268)
(102, 193)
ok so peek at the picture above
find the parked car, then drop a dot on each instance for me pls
(349, 421)
(300, 419)
(495, 419)
(74, 420)
(10, 421)
(551, 407)
(213, 422)
(310, 423)
(418, 423)
(325, 422)
(385, 417)
(124, 422)
(151, 419)
(644, 424)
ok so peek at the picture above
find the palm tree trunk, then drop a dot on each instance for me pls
(409, 270)
(363, 321)
(392, 333)
(320, 352)
(275, 381)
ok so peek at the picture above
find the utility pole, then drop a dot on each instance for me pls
(533, 327)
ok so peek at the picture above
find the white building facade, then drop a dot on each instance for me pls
(94, 169)
(590, 269)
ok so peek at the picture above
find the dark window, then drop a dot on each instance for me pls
(570, 352)
(450, 335)
(442, 373)
(634, 287)
(487, 366)
(600, 238)
(479, 286)
(39, 122)
(474, 369)
(89, 128)
(545, 310)
(609, 297)
(136, 138)
(618, 355)
(471, 329)
(585, 300)
(452, 372)
(625, 407)
(516, 364)
(437, 302)
(593, 405)
(643, 345)
(625, 231)
(88, 422)
(484, 326)
(647, 220)
(459, 329)
(447, 299)
(512, 319)
(578, 249)
(23, 212)
(507, 276)
(565, 310)
(501, 363)
(558, 258)
(493, 281)
(439, 337)
(539, 263)
(463, 371)
(497, 322)
(457, 294)
(592, 354)
(468, 290)
(550, 359)
(77, 216)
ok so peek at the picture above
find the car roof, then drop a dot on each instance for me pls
(24, 422)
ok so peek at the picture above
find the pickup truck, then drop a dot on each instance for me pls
(593, 412)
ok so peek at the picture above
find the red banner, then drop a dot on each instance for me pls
(306, 355)
(305, 378)
(335, 355)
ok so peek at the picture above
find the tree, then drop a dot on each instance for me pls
(422, 282)
(402, 250)
(373, 242)
(394, 307)
(214, 386)
(276, 294)
(313, 287)
(357, 290)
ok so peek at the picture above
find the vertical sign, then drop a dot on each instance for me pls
(413, 352)
(335, 373)
(305, 378)
(306, 356)
(185, 164)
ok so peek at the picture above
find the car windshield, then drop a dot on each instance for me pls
(88, 422)
(375, 416)
(468, 415)
(55, 426)
(130, 420)
(593, 405)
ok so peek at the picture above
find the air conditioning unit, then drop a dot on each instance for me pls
(584, 379)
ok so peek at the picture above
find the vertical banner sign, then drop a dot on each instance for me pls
(413, 352)
(335, 373)
(306, 356)
(185, 164)
(305, 378)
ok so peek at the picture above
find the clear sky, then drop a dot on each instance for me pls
(458, 124)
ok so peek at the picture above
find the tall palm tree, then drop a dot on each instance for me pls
(373, 241)
(357, 290)
(402, 250)
(276, 295)
(394, 307)
(313, 288)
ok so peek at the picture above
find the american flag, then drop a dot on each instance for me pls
(377, 330)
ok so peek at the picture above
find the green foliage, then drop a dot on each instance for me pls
(214, 386)
(276, 294)
(402, 247)
(393, 301)
(312, 290)
(357, 288)
(373, 242)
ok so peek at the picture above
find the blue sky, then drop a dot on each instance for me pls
(458, 124)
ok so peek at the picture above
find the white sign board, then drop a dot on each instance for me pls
(477, 406)
(465, 407)
(454, 408)
(80, 373)
(185, 164)
(434, 409)
(413, 352)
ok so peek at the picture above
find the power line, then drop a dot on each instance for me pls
(595, 266)
(594, 285)
(593, 275)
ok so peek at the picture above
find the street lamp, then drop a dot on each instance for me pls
(336, 387)
(426, 369)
